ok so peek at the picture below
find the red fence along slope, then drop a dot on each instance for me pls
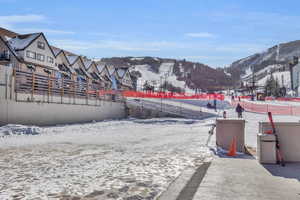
(264, 108)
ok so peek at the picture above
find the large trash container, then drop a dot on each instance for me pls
(266, 148)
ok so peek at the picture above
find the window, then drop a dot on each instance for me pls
(31, 54)
(50, 59)
(5, 55)
(41, 45)
(40, 57)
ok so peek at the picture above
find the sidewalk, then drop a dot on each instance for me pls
(246, 179)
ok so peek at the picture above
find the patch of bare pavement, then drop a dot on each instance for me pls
(236, 178)
(245, 178)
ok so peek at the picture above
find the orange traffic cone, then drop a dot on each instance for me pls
(232, 150)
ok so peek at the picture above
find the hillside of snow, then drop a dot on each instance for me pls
(165, 73)
(282, 76)
(182, 74)
(274, 60)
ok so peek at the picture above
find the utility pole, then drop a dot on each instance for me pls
(253, 84)
(161, 93)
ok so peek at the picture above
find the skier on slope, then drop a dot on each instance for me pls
(239, 109)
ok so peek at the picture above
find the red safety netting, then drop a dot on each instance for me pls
(245, 97)
(294, 99)
(264, 108)
(172, 95)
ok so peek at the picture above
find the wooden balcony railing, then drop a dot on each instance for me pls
(36, 84)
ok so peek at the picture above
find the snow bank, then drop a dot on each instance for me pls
(13, 129)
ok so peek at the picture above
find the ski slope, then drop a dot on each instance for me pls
(156, 79)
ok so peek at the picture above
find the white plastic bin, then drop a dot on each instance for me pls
(266, 148)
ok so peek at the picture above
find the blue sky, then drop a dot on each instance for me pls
(214, 32)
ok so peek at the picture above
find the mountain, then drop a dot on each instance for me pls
(179, 75)
(274, 60)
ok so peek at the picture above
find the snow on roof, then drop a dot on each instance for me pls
(72, 59)
(87, 64)
(121, 72)
(56, 50)
(111, 69)
(22, 41)
(100, 67)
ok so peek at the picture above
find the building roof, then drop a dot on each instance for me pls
(111, 69)
(72, 59)
(121, 72)
(22, 41)
(56, 50)
(100, 67)
(87, 63)
(7, 33)
(9, 47)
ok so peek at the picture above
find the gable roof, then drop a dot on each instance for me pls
(64, 54)
(87, 63)
(101, 67)
(78, 58)
(111, 69)
(21, 42)
(121, 72)
(72, 59)
(56, 50)
(10, 49)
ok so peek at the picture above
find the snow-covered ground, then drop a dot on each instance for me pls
(127, 159)
(280, 103)
(131, 159)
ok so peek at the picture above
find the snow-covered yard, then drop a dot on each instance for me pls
(129, 159)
